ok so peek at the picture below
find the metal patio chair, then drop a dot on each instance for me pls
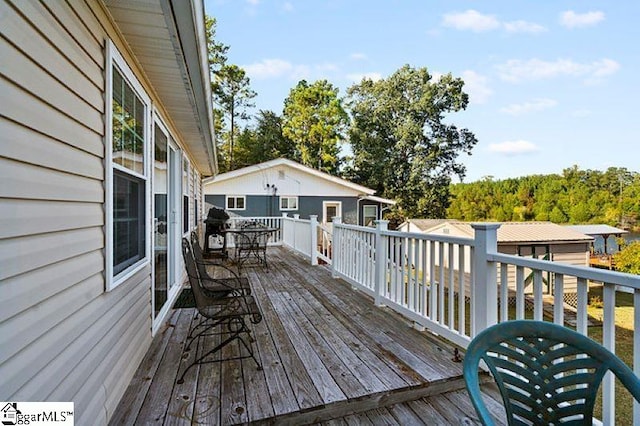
(251, 243)
(217, 284)
(225, 316)
(546, 373)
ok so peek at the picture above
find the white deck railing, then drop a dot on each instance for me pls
(457, 287)
(275, 222)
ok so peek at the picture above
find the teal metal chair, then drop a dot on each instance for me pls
(546, 373)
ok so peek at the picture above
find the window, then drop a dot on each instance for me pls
(127, 171)
(185, 195)
(369, 215)
(288, 203)
(235, 202)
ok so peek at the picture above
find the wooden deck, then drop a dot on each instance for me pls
(329, 356)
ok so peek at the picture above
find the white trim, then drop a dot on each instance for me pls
(113, 57)
(327, 203)
(283, 161)
(288, 197)
(375, 216)
(226, 202)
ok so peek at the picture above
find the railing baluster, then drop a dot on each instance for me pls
(441, 283)
(461, 291)
(581, 319)
(538, 302)
(519, 292)
(558, 299)
(451, 302)
(432, 282)
(504, 292)
(609, 342)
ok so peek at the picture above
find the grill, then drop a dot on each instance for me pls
(215, 222)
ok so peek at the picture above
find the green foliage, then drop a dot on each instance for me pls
(576, 196)
(628, 258)
(315, 121)
(401, 146)
(232, 93)
(265, 142)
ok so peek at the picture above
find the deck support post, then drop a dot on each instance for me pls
(380, 259)
(484, 291)
(313, 222)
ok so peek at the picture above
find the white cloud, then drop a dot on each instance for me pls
(527, 107)
(357, 56)
(471, 20)
(358, 77)
(516, 70)
(279, 68)
(253, 2)
(287, 7)
(512, 148)
(571, 19)
(476, 86)
(268, 68)
(523, 27)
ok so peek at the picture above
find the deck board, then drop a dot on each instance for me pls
(329, 357)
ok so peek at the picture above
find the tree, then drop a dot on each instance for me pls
(232, 92)
(265, 142)
(628, 259)
(401, 145)
(314, 119)
(217, 57)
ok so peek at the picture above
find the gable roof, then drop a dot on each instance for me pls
(367, 192)
(522, 232)
(598, 230)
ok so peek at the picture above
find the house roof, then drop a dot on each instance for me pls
(594, 230)
(524, 232)
(168, 40)
(424, 224)
(368, 192)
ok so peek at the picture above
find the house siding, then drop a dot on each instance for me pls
(64, 338)
(264, 205)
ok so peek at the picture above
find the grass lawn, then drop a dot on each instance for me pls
(624, 347)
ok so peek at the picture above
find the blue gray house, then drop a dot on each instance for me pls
(285, 186)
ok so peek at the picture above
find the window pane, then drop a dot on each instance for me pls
(293, 203)
(240, 203)
(128, 221)
(230, 203)
(128, 114)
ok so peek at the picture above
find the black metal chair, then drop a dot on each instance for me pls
(225, 316)
(251, 243)
(217, 284)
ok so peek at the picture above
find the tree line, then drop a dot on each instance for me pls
(575, 196)
(391, 129)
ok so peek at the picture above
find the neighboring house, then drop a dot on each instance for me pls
(106, 135)
(285, 186)
(541, 240)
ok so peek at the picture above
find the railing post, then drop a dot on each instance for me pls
(484, 292)
(336, 247)
(380, 259)
(313, 221)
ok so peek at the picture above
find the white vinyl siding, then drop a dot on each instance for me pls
(70, 339)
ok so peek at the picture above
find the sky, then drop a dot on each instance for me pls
(551, 83)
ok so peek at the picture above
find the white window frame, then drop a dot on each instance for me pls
(289, 198)
(375, 216)
(235, 197)
(113, 57)
(325, 204)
